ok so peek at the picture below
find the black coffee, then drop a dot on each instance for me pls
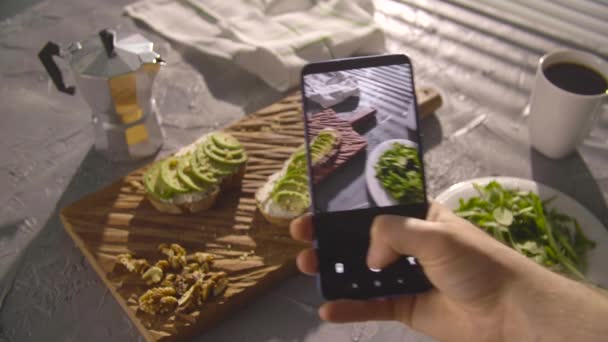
(576, 78)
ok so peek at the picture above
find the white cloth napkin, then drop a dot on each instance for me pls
(330, 88)
(272, 39)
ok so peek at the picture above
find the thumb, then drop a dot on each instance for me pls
(393, 236)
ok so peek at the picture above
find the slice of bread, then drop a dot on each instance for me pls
(201, 202)
(269, 209)
(276, 220)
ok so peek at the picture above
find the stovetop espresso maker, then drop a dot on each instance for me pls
(114, 75)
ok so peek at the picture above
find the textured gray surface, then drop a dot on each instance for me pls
(484, 69)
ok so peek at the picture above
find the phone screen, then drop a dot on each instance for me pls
(365, 159)
(363, 123)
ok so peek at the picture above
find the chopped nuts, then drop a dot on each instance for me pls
(152, 301)
(132, 265)
(183, 282)
(153, 275)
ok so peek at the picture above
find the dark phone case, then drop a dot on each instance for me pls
(347, 241)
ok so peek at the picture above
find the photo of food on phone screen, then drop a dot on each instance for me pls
(363, 139)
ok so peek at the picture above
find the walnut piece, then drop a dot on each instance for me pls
(156, 300)
(162, 264)
(132, 265)
(220, 284)
(193, 266)
(190, 298)
(195, 296)
(200, 258)
(169, 280)
(176, 254)
(153, 275)
(198, 292)
(167, 304)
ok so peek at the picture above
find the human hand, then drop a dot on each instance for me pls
(476, 279)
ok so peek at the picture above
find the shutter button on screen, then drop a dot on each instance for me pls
(377, 283)
(339, 267)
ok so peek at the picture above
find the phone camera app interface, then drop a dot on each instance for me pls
(363, 139)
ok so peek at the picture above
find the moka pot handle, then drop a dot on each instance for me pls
(46, 58)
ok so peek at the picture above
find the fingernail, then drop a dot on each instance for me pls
(373, 258)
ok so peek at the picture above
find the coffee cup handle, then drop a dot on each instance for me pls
(46, 58)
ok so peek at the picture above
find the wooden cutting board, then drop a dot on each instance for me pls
(255, 254)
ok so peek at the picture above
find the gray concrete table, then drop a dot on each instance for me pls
(482, 64)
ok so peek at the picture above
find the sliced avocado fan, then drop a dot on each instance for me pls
(219, 155)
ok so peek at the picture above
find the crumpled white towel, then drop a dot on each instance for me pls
(272, 39)
(331, 88)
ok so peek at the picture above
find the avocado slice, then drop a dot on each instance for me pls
(185, 174)
(224, 156)
(151, 179)
(226, 141)
(168, 177)
(296, 177)
(297, 164)
(291, 200)
(322, 145)
(218, 169)
(201, 169)
(290, 184)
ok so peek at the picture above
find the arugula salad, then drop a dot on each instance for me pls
(523, 221)
(399, 170)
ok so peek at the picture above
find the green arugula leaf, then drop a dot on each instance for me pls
(522, 221)
(503, 216)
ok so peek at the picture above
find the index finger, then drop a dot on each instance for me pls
(302, 229)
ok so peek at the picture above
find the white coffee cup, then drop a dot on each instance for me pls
(559, 119)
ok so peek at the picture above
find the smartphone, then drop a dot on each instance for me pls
(364, 156)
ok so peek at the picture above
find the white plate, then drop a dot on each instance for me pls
(376, 190)
(593, 228)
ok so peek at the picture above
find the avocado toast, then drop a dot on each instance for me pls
(191, 180)
(285, 194)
